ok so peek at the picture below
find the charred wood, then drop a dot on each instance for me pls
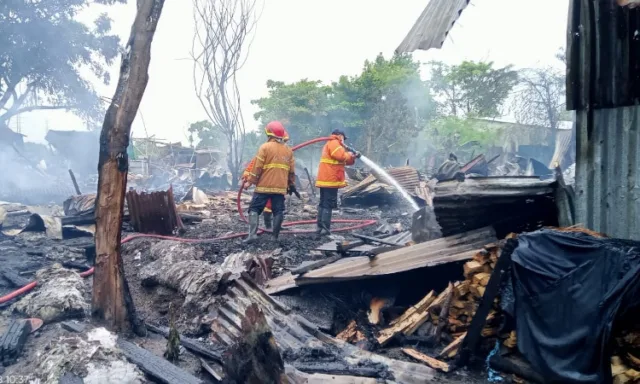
(429, 361)
(13, 340)
(111, 299)
(515, 366)
(159, 369)
(254, 358)
(310, 266)
(75, 182)
(14, 278)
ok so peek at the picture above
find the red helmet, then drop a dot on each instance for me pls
(276, 129)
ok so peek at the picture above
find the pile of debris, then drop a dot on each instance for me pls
(372, 191)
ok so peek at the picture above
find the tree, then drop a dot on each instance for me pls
(111, 300)
(302, 106)
(43, 50)
(471, 88)
(540, 97)
(251, 142)
(209, 135)
(381, 109)
(388, 105)
(219, 52)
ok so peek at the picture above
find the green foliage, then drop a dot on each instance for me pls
(302, 106)
(208, 135)
(389, 104)
(381, 109)
(473, 89)
(42, 50)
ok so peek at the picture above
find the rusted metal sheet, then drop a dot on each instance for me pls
(153, 212)
(602, 51)
(407, 177)
(510, 204)
(427, 254)
(294, 333)
(433, 25)
(80, 205)
(607, 179)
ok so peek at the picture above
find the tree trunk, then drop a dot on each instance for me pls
(111, 301)
(254, 358)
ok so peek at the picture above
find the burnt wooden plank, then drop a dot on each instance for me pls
(13, 340)
(311, 265)
(13, 277)
(158, 368)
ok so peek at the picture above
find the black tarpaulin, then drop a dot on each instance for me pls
(567, 289)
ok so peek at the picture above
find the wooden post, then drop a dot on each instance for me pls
(75, 182)
(111, 301)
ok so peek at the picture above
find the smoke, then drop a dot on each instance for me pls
(22, 179)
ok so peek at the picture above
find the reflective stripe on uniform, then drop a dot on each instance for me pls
(330, 184)
(260, 158)
(276, 166)
(271, 190)
(330, 161)
(335, 150)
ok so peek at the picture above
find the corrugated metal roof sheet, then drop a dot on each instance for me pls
(407, 177)
(607, 185)
(427, 254)
(153, 212)
(294, 333)
(506, 201)
(602, 72)
(602, 64)
(433, 25)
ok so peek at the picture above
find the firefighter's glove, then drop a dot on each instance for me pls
(357, 154)
(293, 191)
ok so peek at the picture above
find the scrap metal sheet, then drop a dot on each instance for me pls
(431, 253)
(294, 333)
(433, 25)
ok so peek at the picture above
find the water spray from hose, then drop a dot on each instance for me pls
(381, 173)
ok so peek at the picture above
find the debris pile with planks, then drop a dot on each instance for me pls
(376, 305)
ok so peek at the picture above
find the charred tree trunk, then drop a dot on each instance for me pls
(254, 358)
(111, 301)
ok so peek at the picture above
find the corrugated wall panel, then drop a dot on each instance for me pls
(607, 163)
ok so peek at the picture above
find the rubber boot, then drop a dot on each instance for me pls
(267, 217)
(319, 222)
(326, 222)
(277, 225)
(253, 228)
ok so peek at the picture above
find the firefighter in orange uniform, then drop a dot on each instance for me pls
(267, 214)
(273, 174)
(331, 178)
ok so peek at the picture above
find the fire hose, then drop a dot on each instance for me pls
(357, 224)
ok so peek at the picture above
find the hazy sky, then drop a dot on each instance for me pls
(320, 40)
